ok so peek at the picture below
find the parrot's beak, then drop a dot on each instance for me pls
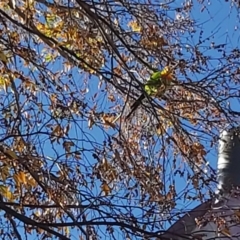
(167, 74)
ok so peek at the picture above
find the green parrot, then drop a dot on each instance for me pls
(156, 86)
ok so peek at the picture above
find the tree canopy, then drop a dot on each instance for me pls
(71, 165)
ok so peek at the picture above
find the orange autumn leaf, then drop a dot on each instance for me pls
(106, 189)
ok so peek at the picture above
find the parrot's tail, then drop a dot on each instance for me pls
(135, 105)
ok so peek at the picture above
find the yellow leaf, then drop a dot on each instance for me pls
(21, 177)
(4, 82)
(108, 120)
(67, 231)
(4, 172)
(135, 26)
(3, 57)
(5, 192)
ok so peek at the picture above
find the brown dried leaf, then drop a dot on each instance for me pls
(106, 189)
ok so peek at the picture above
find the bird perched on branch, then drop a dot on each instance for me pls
(156, 86)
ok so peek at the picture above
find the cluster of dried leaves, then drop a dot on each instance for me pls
(71, 166)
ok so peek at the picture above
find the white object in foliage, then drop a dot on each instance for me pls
(228, 163)
(217, 218)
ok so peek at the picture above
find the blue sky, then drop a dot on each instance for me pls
(218, 22)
